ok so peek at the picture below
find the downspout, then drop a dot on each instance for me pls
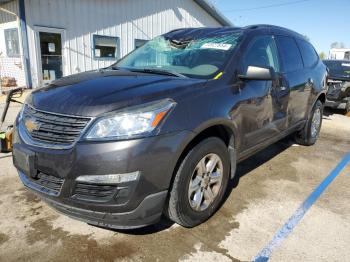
(23, 28)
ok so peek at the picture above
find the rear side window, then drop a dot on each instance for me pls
(289, 53)
(308, 53)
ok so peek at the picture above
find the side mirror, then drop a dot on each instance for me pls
(259, 73)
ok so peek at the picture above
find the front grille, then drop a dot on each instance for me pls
(48, 183)
(53, 128)
(94, 192)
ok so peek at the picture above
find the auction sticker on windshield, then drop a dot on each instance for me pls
(216, 46)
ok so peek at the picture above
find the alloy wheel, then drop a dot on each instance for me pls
(316, 123)
(205, 182)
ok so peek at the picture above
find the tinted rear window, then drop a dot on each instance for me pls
(290, 54)
(308, 53)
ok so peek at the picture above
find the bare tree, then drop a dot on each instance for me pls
(337, 45)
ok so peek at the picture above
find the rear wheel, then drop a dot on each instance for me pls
(310, 133)
(200, 183)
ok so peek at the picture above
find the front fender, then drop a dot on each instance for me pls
(219, 121)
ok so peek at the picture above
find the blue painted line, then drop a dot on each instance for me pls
(288, 227)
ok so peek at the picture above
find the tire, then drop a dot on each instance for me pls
(183, 207)
(310, 133)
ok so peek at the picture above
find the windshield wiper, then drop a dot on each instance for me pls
(114, 67)
(159, 72)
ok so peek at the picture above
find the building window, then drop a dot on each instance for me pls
(140, 42)
(12, 42)
(106, 46)
(347, 55)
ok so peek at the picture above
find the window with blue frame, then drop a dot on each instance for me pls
(106, 46)
(12, 42)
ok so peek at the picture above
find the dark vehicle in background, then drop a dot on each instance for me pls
(347, 56)
(338, 95)
(161, 131)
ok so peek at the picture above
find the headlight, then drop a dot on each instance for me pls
(135, 121)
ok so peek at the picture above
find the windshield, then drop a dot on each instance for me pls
(338, 67)
(197, 58)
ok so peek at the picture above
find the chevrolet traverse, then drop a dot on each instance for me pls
(161, 131)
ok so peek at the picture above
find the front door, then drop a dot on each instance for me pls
(265, 110)
(51, 61)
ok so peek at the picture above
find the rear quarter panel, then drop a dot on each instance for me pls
(319, 75)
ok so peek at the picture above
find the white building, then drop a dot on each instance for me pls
(41, 40)
(339, 54)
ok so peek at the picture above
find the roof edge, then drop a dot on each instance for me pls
(211, 10)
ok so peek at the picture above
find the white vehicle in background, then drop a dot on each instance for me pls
(339, 54)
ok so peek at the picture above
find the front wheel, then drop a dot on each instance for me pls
(310, 133)
(200, 183)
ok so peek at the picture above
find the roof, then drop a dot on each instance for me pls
(184, 35)
(211, 10)
(275, 29)
(187, 34)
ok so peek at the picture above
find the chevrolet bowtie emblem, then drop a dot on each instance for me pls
(31, 125)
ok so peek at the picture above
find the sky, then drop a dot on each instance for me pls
(323, 21)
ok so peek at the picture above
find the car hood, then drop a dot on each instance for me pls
(97, 92)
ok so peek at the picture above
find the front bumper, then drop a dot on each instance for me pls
(338, 94)
(128, 205)
(336, 104)
(147, 213)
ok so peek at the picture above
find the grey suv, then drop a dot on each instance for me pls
(161, 131)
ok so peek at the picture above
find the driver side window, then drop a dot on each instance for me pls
(261, 52)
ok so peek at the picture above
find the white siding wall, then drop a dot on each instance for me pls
(127, 19)
(10, 66)
(12, 7)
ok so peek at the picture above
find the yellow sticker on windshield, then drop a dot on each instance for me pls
(218, 76)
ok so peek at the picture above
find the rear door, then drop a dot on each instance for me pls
(295, 77)
(310, 59)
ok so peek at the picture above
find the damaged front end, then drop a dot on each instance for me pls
(338, 95)
(338, 90)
